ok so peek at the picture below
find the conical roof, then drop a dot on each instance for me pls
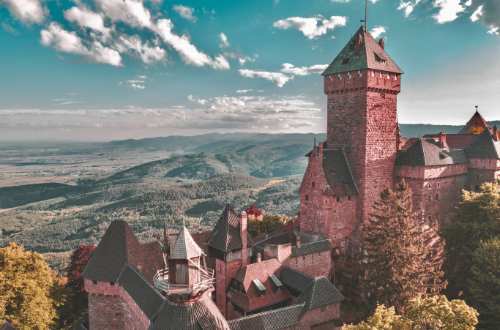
(226, 235)
(185, 247)
(475, 125)
(362, 52)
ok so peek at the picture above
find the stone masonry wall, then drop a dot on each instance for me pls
(313, 265)
(320, 210)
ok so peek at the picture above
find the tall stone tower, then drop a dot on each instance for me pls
(347, 172)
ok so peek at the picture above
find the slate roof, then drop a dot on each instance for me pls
(311, 247)
(425, 152)
(117, 248)
(145, 295)
(485, 147)
(226, 234)
(338, 172)
(476, 121)
(362, 52)
(296, 281)
(185, 247)
(282, 318)
(321, 292)
(203, 314)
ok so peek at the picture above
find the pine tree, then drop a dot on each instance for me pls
(484, 283)
(476, 219)
(401, 255)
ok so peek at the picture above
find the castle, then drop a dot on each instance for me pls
(225, 279)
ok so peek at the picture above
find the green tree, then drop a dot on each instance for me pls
(484, 283)
(430, 313)
(401, 256)
(27, 289)
(476, 219)
(269, 224)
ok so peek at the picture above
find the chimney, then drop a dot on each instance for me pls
(244, 238)
(381, 43)
(442, 140)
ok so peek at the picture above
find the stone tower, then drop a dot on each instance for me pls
(346, 173)
(228, 246)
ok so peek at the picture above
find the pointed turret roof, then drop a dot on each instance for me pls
(475, 125)
(362, 52)
(185, 247)
(226, 235)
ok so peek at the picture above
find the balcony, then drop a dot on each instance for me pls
(205, 282)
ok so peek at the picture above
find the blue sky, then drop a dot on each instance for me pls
(111, 69)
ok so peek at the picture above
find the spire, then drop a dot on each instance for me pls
(185, 247)
(476, 125)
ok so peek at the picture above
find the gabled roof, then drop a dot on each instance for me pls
(362, 52)
(185, 247)
(119, 248)
(485, 147)
(116, 249)
(338, 172)
(320, 293)
(226, 235)
(425, 152)
(202, 314)
(475, 125)
(281, 318)
(259, 270)
(296, 281)
(311, 247)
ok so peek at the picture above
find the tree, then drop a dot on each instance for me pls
(476, 219)
(431, 313)
(401, 256)
(484, 283)
(76, 300)
(269, 224)
(27, 287)
(382, 319)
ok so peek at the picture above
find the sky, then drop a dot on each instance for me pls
(92, 70)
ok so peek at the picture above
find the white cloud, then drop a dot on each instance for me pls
(188, 51)
(494, 30)
(69, 42)
(244, 91)
(448, 10)
(131, 12)
(224, 41)
(278, 78)
(377, 31)
(86, 18)
(303, 70)
(311, 27)
(27, 11)
(408, 6)
(138, 83)
(476, 15)
(185, 12)
(148, 52)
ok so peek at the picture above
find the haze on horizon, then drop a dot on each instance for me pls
(95, 70)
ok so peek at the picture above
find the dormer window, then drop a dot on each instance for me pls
(261, 289)
(379, 58)
(277, 284)
(345, 60)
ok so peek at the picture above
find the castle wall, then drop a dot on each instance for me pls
(320, 210)
(225, 271)
(436, 190)
(320, 316)
(313, 265)
(483, 170)
(110, 308)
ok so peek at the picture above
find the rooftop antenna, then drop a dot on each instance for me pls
(477, 108)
